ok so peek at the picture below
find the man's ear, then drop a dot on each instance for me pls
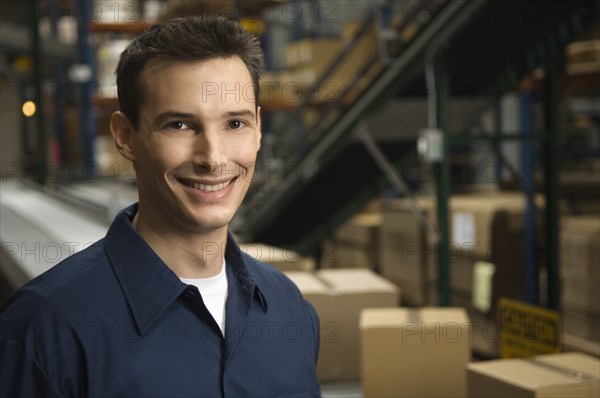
(258, 127)
(122, 133)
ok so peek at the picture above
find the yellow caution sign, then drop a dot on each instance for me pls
(527, 330)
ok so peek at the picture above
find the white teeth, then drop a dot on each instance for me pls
(208, 188)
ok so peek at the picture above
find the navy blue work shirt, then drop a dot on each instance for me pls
(114, 321)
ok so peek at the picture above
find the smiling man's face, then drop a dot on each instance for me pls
(195, 148)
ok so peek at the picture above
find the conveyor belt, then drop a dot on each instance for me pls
(38, 230)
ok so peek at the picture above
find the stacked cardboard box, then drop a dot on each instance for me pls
(365, 49)
(582, 188)
(484, 226)
(308, 59)
(580, 274)
(282, 259)
(279, 90)
(338, 296)
(355, 243)
(402, 250)
(583, 57)
(414, 352)
(553, 375)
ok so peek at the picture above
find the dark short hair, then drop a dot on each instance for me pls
(195, 38)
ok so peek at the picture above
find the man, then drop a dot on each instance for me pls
(166, 305)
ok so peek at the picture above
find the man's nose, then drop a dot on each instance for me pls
(208, 151)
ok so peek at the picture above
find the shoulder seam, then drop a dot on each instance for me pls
(34, 360)
(46, 300)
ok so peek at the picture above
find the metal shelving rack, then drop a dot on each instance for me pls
(52, 59)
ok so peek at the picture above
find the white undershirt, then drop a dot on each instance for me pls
(214, 294)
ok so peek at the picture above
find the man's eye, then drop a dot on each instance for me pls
(236, 124)
(177, 125)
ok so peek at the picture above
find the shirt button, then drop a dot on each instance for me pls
(190, 293)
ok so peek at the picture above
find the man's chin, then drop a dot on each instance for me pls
(204, 226)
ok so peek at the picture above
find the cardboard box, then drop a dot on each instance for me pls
(414, 352)
(355, 243)
(282, 259)
(472, 216)
(402, 252)
(484, 226)
(338, 296)
(462, 265)
(554, 375)
(308, 59)
(362, 229)
(348, 255)
(574, 343)
(316, 52)
(582, 295)
(580, 247)
(279, 90)
(581, 324)
(579, 266)
(364, 49)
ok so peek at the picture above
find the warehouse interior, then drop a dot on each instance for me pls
(429, 175)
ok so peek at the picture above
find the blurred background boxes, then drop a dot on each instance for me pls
(584, 325)
(414, 352)
(355, 243)
(552, 375)
(312, 52)
(580, 275)
(485, 226)
(278, 89)
(338, 296)
(366, 48)
(308, 59)
(402, 250)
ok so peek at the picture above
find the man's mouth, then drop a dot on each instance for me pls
(207, 186)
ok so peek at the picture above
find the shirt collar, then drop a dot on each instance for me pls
(241, 267)
(149, 285)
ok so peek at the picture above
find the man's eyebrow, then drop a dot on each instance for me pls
(244, 112)
(172, 115)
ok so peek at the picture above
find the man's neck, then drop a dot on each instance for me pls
(189, 255)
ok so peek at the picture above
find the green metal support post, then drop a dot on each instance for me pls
(551, 172)
(443, 184)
